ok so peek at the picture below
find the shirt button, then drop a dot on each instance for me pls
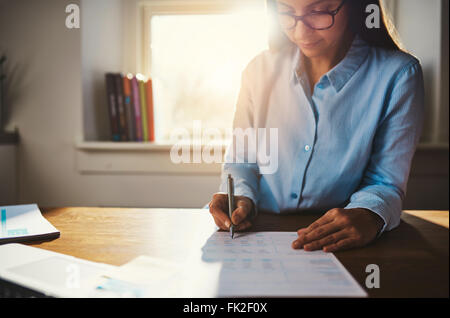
(307, 148)
(294, 195)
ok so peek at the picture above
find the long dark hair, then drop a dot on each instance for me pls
(385, 36)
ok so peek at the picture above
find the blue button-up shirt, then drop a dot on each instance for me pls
(349, 144)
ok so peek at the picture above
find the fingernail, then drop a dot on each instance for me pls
(296, 244)
(227, 223)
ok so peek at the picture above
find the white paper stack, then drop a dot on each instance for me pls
(21, 223)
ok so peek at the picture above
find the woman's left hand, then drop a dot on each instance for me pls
(340, 229)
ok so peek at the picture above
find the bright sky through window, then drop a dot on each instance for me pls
(196, 66)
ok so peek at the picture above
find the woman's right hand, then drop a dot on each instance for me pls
(241, 216)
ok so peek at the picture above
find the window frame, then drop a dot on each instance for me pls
(148, 8)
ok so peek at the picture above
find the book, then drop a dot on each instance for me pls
(24, 223)
(112, 106)
(129, 109)
(141, 81)
(150, 111)
(137, 108)
(123, 129)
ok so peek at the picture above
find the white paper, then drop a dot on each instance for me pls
(48, 272)
(265, 264)
(22, 221)
(144, 276)
(251, 264)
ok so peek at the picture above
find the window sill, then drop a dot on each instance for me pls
(105, 157)
(122, 146)
(432, 146)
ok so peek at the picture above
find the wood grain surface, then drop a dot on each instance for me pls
(413, 258)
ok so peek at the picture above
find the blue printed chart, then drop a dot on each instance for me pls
(11, 232)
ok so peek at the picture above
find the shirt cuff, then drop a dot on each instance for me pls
(245, 176)
(249, 194)
(376, 207)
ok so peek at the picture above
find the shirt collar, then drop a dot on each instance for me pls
(344, 70)
(296, 63)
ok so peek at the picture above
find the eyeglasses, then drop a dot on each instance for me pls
(316, 20)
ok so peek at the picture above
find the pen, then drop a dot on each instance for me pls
(231, 202)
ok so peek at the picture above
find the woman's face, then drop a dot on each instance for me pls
(314, 43)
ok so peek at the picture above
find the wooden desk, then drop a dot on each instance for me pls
(413, 259)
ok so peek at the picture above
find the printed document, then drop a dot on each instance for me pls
(265, 264)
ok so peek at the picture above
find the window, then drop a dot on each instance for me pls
(195, 57)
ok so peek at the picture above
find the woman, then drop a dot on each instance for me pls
(348, 105)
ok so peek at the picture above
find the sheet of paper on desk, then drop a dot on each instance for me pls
(251, 264)
(143, 276)
(24, 222)
(264, 264)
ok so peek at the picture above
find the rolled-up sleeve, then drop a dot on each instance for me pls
(383, 187)
(245, 172)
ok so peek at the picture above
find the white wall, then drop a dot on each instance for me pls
(49, 111)
(419, 24)
(101, 49)
(8, 174)
(443, 133)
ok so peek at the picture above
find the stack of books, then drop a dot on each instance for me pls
(130, 107)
